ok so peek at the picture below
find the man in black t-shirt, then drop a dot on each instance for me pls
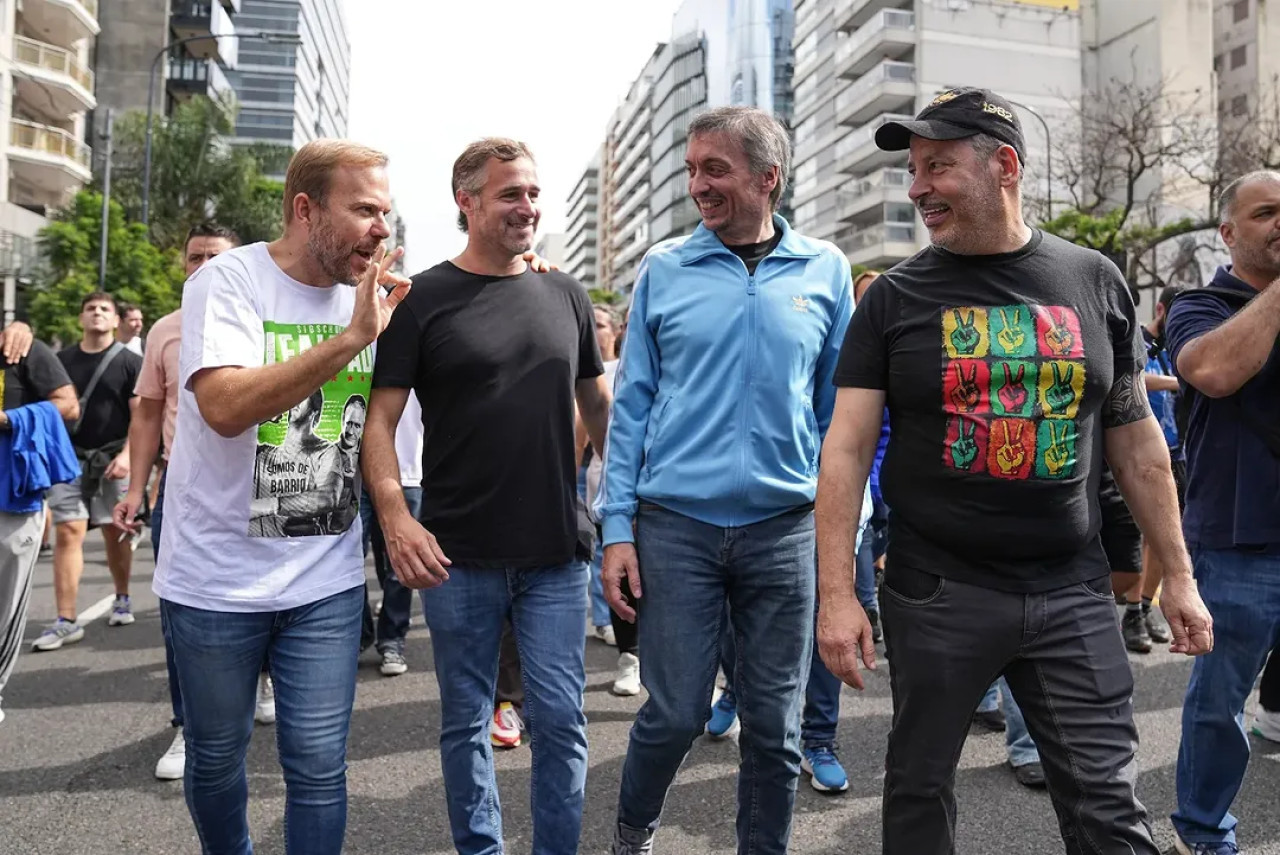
(101, 438)
(37, 376)
(498, 356)
(1011, 362)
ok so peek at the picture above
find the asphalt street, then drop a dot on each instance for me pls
(86, 724)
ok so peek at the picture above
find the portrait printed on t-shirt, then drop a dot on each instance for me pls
(306, 473)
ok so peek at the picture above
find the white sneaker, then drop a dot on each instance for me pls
(1, 716)
(1266, 725)
(121, 612)
(628, 683)
(605, 634)
(265, 711)
(174, 762)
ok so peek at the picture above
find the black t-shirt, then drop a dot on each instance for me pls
(105, 417)
(753, 253)
(996, 369)
(494, 361)
(33, 379)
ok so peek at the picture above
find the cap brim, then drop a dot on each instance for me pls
(896, 136)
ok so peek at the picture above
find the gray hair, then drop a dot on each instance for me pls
(986, 146)
(1227, 201)
(762, 138)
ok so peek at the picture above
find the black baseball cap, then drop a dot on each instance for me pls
(957, 114)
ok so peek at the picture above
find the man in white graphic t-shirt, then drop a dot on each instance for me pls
(256, 563)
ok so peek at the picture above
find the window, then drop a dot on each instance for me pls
(1239, 56)
(1240, 105)
(1240, 11)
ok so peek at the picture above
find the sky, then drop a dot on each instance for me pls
(430, 76)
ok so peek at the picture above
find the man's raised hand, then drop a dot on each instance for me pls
(373, 308)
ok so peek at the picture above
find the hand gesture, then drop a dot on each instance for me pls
(1057, 455)
(1060, 395)
(1013, 395)
(844, 637)
(966, 394)
(1011, 455)
(1059, 336)
(15, 340)
(416, 556)
(373, 310)
(965, 337)
(124, 514)
(1190, 623)
(965, 449)
(621, 562)
(1011, 338)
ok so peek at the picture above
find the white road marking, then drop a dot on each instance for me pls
(96, 610)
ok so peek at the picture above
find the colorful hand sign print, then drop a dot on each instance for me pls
(1012, 382)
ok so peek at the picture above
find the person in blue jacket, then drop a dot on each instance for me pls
(723, 395)
(35, 451)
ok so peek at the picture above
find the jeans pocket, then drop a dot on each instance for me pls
(912, 587)
(1099, 589)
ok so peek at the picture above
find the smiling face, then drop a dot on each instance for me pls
(733, 202)
(504, 214)
(347, 229)
(957, 192)
(1252, 231)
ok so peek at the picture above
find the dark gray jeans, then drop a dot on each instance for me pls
(1064, 660)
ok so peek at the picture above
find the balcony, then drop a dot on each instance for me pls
(61, 22)
(189, 76)
(881, 245)
(51, 80)
(48, 159)
(207, 18)
(852, 14)
(858, 154)
(871, 193)
(891, 34)
(888, 86)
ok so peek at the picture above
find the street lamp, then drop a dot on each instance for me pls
(1048, 154)
(268, 37)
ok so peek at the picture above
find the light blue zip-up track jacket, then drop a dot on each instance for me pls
(724, 391)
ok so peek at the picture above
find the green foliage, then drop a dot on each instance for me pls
(603, 296)
(137, 272)
(196, 175)
(1112, 235)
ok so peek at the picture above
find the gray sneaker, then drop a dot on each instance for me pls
(58, 633)
(121, 612)
(632, 841)
(393, 664)
(1156, 627)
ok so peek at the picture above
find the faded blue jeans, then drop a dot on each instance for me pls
(1017, 739)
(313, 651)
(1242, 592)
(465, 616)
(689, 569)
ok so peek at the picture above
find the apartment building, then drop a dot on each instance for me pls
(582, 234)
(861, 63)
(1246, 48)
(49, 89)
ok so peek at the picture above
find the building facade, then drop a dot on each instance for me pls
(49, 88)
(1246, 48)
(582, 232)
(861, 63)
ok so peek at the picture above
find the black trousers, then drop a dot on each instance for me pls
(1269, 692)
(1065, 662)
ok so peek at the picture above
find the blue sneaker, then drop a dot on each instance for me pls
(724, 722)
(826, 775)
(1204, 848)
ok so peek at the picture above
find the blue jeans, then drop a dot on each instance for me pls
(689, 568)
(175, 693)
(1242, 592)
(865, 567)
(465, 616)
(1017, 739)
(392, 624)
(599, 605)
(313, 651)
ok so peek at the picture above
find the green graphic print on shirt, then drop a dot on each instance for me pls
(1012, 379)
(307, 465)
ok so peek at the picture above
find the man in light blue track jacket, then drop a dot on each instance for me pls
(723, 395)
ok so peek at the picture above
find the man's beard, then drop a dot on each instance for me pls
(333, 256)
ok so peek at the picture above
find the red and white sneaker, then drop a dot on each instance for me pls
(505, 732)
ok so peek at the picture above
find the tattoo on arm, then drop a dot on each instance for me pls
(1127, 401)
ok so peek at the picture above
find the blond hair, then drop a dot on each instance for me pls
(468, 169)
(311, 169)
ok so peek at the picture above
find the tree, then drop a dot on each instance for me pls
(137, 271)
(196, 174)
(602, 296)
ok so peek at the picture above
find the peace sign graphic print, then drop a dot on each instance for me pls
(1012, 380)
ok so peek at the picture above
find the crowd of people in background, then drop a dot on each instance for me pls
(762, 471)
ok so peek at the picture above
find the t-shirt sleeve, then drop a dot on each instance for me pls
(1128, 347)
(864, 356)
(132, 371)
(590, 364)
(396, 365)
(221, 322)
(151, 377)
(1191, 316)
(44, 371)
